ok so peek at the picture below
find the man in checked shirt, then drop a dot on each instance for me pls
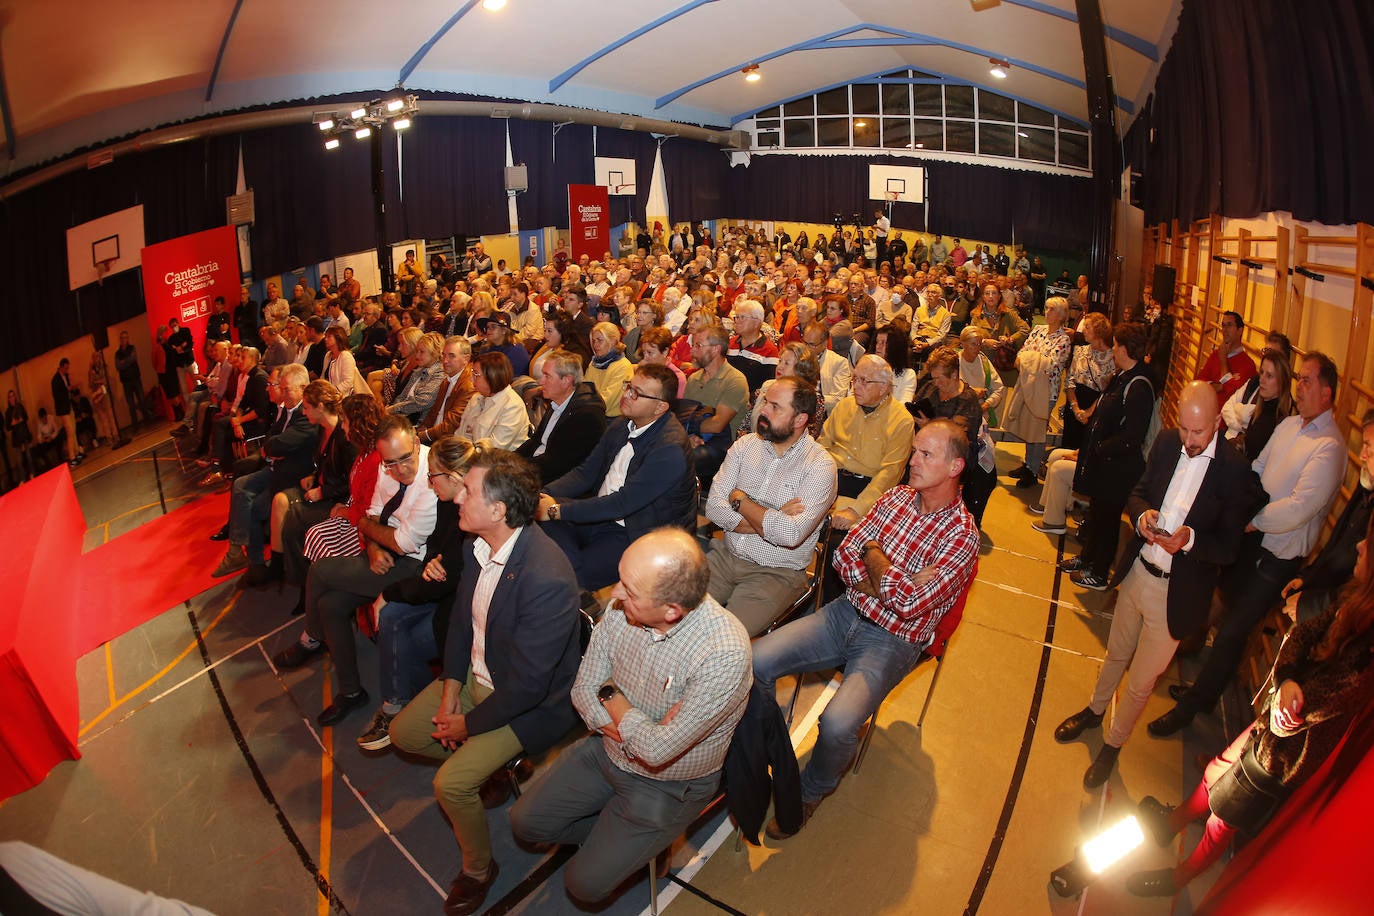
(664, 683)
(904, 565)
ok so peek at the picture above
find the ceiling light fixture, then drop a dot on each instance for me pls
(395, 105)
(751, 73)
(362, 133)
(999, 68)
(493, 5)
(358, 113)
(331, 143)
(400, 123)
(327, 124)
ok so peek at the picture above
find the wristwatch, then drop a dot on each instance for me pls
(553, 512)
(606, 692)
(735, 504)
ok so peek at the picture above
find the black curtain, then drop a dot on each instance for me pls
(453, 172)
(696, 173)
(553, 163)
(1261, 107)
(974, 201)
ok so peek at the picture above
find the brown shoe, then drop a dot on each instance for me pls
(234, 561)
(775, 832)
(468, 893)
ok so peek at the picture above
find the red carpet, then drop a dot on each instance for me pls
(139, 575)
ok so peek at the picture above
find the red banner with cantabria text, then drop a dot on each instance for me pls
(589, 221)
(182, 277)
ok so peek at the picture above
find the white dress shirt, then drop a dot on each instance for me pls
(1178, 501)
(487, 580)
(1301, 468)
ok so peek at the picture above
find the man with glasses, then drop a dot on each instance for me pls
(574, 421)
(869, 436)
(722, 389)
(288, 455)
(1228, 367)
(398, 522)
(751, 352)
(769, 498)
(639, 477)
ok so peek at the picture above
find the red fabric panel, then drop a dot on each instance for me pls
(40, 540)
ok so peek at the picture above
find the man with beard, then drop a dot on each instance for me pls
(769, 497)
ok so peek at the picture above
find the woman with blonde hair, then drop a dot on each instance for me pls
(794, 359)
(385, 382)
(610, 370)
(422, 386)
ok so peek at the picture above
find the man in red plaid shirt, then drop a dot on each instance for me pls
(904, 565)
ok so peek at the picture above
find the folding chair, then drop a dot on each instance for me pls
(936, 650)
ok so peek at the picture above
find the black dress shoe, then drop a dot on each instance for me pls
(468, 893)
(1157, 883)
(1101, 767)
(295, 655)
(1171, 722)
(1178, 691)
(343, 704)
(221, 535)
(1155, 815)
(495, 790)
(1076, 724)
(1070, 564)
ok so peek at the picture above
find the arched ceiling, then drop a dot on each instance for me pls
(78, 72)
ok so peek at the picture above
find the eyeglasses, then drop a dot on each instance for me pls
(399, 462)
(635, 394)
(430, 477)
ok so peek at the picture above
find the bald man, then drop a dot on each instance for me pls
(1189, 511)
(662, 686)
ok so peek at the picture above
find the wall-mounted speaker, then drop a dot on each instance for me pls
(1163, 285)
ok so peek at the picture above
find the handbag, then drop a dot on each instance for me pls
(1246, 795)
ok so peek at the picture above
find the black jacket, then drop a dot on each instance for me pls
(533, 647)
(290, 448)
(1228, 498)
(61, 395)
(761, 743)
(257, 399)
(1110, 459)
(446, 542)
(335, 466)
(579, 429)
(660, 484)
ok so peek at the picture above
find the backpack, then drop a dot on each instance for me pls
(1152, 429)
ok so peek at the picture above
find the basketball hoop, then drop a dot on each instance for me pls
(102, 268)
(892, 197)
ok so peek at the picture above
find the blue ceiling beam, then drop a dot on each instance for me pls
(428, 46)
(223, 46)
(899, 38)
(583, 64)
(1141, 46)
(939, 80)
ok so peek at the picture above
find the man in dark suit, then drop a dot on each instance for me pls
(573, 421)
(1189, 511)
(510, 660)
(289, 454)
(639, 477)
(446, 412)
(250, 410)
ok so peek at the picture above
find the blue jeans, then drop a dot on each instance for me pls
(874, 662)
(405, 643)
(250, 505)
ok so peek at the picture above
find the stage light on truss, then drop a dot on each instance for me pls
(751, 73)
(362, 133)
(400, 123)
(331, 143)
(395, 105)
(327, 124)
(357, 113)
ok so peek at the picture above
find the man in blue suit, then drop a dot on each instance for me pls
(639, 477)
(509, 662)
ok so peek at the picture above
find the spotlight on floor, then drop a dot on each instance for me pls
(1096, 856)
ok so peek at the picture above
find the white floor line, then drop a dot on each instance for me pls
(376, 818)
(670, 893)
(1105, 615)
(1101, 812)
(1037, 642)
(201, 673)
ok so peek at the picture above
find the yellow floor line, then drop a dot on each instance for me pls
(161, 674)
(326, 803)
(109, 673)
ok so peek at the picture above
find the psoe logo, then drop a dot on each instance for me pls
(192, 309)
(591, 232)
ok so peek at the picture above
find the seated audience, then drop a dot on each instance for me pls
(836, 372)
(904, 564)
(655, 344)
(398, 523)
(931, 321)
(794, 359)
(722, 392)
(499, 339)
(947, 396)
(510, 659)
(979, 374)
(573, 422)
(417, 391)
(445, 413)
(496, 415)
(639, 477)
(750, 351)
(340, 366)
(769, 498)
(1258, 406)
(869, 436)
(610, 370)
(1229, 367)
(893, 343)
(664, 683)
(648, 314)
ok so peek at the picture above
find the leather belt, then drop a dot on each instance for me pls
(1152, 569)
(851, 474)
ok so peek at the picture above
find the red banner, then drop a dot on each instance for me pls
(182, 277)
(589, 221)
